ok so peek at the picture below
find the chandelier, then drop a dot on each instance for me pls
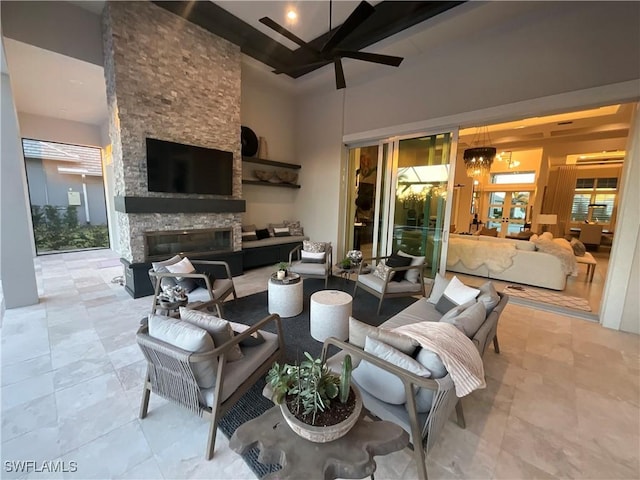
(478, 159)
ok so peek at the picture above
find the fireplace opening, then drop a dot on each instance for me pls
(164, 244)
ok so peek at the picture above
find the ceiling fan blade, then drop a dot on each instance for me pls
(302, 69)
(371, 57)
(359, 15)
(340, 81)
(286, 33)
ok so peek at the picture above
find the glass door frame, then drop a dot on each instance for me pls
(388, 150)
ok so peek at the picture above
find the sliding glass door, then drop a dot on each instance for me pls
(400, 201)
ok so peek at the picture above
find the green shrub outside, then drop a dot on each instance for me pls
(57, 228)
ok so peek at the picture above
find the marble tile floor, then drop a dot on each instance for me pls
(562, 399)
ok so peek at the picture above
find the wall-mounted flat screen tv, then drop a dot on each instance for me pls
(178, 168)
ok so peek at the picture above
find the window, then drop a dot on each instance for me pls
(516, 177)
(594, 200)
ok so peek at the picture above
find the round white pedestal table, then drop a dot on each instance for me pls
(330, 312)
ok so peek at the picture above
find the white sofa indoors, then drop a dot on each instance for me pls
(487, 257)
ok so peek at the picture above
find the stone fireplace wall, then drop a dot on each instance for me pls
(171, 80)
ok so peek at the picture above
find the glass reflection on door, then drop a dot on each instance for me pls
(363, 175)
(420, 197)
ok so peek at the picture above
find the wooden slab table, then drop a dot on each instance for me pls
(348, 457)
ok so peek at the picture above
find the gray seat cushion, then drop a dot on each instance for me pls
(308, 268)
(238, 372)
(377, 284)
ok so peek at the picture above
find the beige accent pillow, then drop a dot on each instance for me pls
(313, 247)
(219, 329)
(382, 271)
(190, 338)
(359, 331)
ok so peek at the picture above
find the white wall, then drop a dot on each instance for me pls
(269, 110)
(17, 271)
(58, 130)
(620, 305)
(319, 146)
(539, 49)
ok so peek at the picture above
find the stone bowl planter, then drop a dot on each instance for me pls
(323, 434)
(263, 175)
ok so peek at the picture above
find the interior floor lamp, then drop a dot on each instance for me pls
(545, 219)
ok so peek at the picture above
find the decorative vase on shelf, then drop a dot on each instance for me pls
(263, 150)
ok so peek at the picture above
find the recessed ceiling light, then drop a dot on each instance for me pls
(292, 15)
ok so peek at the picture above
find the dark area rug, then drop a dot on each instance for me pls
(297, 339)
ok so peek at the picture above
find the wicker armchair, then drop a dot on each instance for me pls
(388, 288)
(213, 295)
(170, 373)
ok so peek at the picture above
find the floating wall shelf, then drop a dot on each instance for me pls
(269, 184)
(272, 163)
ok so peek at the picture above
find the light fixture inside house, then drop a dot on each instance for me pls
(478, 158)
(292, 15)
(507, 158)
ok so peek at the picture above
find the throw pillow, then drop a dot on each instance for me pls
(295, 228)
(431, 361)
(184, 266)
(281, 232)
(262, 233)
(456, 293)
(187, 337)
(412, 275)
(219, 329)
(563, 243)
(396, 260)
(578, 247)
(313, 247)
(248, 228)
(488, 296)
(359, 331)
(546, 236)
(271, 227)
(439, 285)
(310, 257)
(470, 320)
(249, 236)
(489, 232)
(164, 263)
(161, 267)
(383, 272)
(252, 340)
(381, 383)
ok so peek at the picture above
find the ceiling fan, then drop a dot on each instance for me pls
(330, 52)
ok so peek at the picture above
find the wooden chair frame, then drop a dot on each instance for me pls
(386, 294)
(170, 375)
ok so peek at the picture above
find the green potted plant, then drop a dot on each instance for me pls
(318, 405)
(282, 268)
(345, 264)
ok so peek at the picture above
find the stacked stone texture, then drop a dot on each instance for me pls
(171, 80)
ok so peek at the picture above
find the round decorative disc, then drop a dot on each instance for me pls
(249, 142)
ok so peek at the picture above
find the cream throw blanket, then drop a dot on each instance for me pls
(458, 354)
(472, 253)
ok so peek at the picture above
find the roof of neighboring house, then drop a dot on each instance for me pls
(87, 160)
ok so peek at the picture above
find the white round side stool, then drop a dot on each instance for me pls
(285, 297)
(330, 312)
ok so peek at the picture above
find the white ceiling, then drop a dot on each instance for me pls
(53, 85)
